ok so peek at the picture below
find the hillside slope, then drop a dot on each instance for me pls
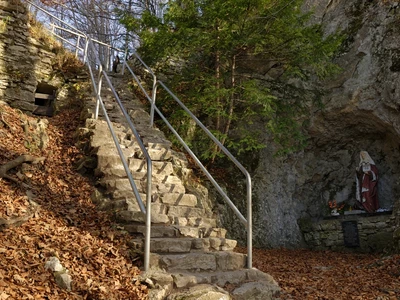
(66, 224)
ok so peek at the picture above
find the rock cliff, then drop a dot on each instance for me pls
(361, 112)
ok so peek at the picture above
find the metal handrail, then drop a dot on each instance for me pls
(89, 42)
(247, 222)
(146, 210)
(99, 103)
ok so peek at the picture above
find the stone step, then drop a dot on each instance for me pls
(199, 262)
(194, 222)
(116, 205)
(168, 184)
(161, 213)
(156, 142)
(201, 291)
(175, 231)
(176, 199)
(185, 245)
(235, 277)
(139, 116)
(136, 216)
(109, 162)
(103, 137)
(168, 245)
(156, 154)
(159, 167)
(189, 200)
(178, 211)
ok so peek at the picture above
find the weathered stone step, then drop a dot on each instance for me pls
(156, 154)
(159, 167)
(107, 204)
(109, 162)
(199, 262)
(194, 222)
(168, 184)
(202, 291)
(165, 198)
(185, 245)
(156, 142)
(235, 277)
(136, 216)
(161, 213)
(178, 211)
(177, 231)
(103, 137)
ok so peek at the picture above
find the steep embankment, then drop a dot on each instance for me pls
(66, 223)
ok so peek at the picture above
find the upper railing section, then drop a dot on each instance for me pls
(87, 49)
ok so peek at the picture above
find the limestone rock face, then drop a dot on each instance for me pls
(361, 112)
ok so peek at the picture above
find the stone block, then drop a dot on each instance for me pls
(171, 245)
(182, 211)
(329, 225)
(189, 231)
(228, 261)
(201, 222)
(156, 154)
(201, 292)
(179, 199)
(186, 280)
(191, 261)
(159, 168)
(138, 216)
(257, 291)
(231, 277)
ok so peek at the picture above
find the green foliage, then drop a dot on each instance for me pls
(212, 42)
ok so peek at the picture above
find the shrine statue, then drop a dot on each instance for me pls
(367, 183)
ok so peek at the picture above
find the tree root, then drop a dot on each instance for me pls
(4, 121)
(17, 221)
(15, 163)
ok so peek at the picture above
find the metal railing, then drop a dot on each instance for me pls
(153, 108)
(89, 48)
(97, 87)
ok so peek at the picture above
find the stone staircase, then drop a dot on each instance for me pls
(190, 256)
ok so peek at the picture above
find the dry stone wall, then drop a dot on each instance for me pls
(375, 233)
(27, 58)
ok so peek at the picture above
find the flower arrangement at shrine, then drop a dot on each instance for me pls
(335, 208)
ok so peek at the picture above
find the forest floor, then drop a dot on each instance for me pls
(96, 252)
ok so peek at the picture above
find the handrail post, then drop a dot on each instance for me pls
(148, 219)
(77, 46)
(125, 60)
(85, 54)
(96, 114)
(249, 225)
(108, 59)
(153, 100)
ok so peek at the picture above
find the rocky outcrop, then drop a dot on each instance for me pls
(361, 112)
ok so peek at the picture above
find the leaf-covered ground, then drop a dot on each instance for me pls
(325, 275)
(95, 252)
(67, 224)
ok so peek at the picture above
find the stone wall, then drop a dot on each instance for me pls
(375, 233)
(28, 56)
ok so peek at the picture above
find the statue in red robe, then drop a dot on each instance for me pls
(367, 183)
